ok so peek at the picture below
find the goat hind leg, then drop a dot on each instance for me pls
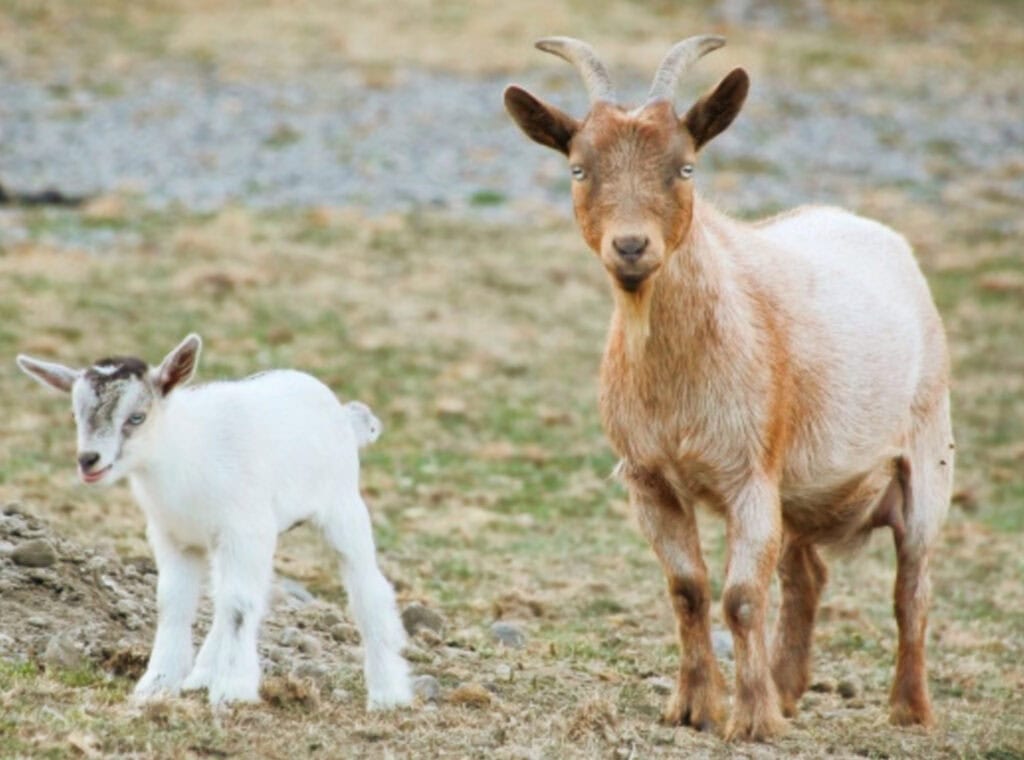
(803, 576)
(372, 601)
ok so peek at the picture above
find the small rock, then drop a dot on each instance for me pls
(428, 637)
(341, 695)
(471, 695)
(310, 645)
(37, 621)
(295, 590)
(125, 607)
(312, 670)
(848, 688)
(721, 643)
(824, 685)
(133, 622)
(503, 672)
(344, 632)
(329, 619)
(35, 553)
(62, 652)
(289, 637)
(6, 548)
(661, 684)
(6, 643)
(427, 688)
(508, 634)
(416, 617)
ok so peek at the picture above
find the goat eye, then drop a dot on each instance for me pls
(579, 173)
(137, 419)
(686, 171)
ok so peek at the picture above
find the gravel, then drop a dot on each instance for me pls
(180, 136)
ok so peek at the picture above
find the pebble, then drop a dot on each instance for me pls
(508, 634)
(38, 622)
(416, 616)
(503, 672)
(289, 637)
(427, 688)
(35, 553)
(317, 672)
(848, 688)
(721, 643)
(62, 652)
(824, 685)
(6, 548)
(295, 590)
(310, 645)
(344, 632)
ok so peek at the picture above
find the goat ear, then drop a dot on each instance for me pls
(48, 373)
(178, 366)
(541, 122)
(710, 115)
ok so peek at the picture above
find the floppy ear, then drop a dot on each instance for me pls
(710, 115)
(541, 122)
(54, 375)
(178, 366)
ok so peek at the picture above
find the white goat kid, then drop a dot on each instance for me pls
(219, 471)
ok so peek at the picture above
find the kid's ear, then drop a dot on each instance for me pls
(48, 373)
(710, 115)
(178, 366)
(541, 122)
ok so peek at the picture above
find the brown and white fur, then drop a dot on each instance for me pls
(791, 374)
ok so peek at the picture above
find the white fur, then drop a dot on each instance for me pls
(219, 471)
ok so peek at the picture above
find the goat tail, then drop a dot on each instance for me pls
(364, 423)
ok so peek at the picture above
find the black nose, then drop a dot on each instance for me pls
(630, 247)
(87, 460)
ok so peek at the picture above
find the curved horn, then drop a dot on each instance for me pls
(682, 55)
(582, 56)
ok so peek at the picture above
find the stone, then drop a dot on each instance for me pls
(426, 688)
(35, 553)
(62, 653)
(824, 686)
(503, 672)
(416, 616)
(312, 670)
(508, 634)
(848, 688)
(344, 632)
(721, 643)
(310, 645)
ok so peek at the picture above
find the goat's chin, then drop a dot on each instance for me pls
(105, 477)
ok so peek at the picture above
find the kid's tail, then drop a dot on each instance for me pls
(366, 426)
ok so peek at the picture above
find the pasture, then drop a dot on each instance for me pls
(457, 299)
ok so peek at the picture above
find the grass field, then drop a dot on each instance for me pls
(478, 345)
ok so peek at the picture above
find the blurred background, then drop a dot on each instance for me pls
(335, 186)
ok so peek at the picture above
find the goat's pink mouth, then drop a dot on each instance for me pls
(97, 476)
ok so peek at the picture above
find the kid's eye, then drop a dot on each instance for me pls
(137, 419)
(579, 173)
(686, 171)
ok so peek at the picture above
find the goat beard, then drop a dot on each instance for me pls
(635, 318)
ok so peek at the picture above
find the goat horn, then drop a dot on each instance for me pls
(682, 55)
(582, 56)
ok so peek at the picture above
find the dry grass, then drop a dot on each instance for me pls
(478, 346)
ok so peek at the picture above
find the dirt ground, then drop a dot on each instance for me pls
(470, 317)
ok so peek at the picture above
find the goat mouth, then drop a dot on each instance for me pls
(631, 282)
(96, 476)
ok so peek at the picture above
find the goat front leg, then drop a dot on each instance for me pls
(242, 570)
(671, 529)
(803, 576)
(754, 536)
(179, 578)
